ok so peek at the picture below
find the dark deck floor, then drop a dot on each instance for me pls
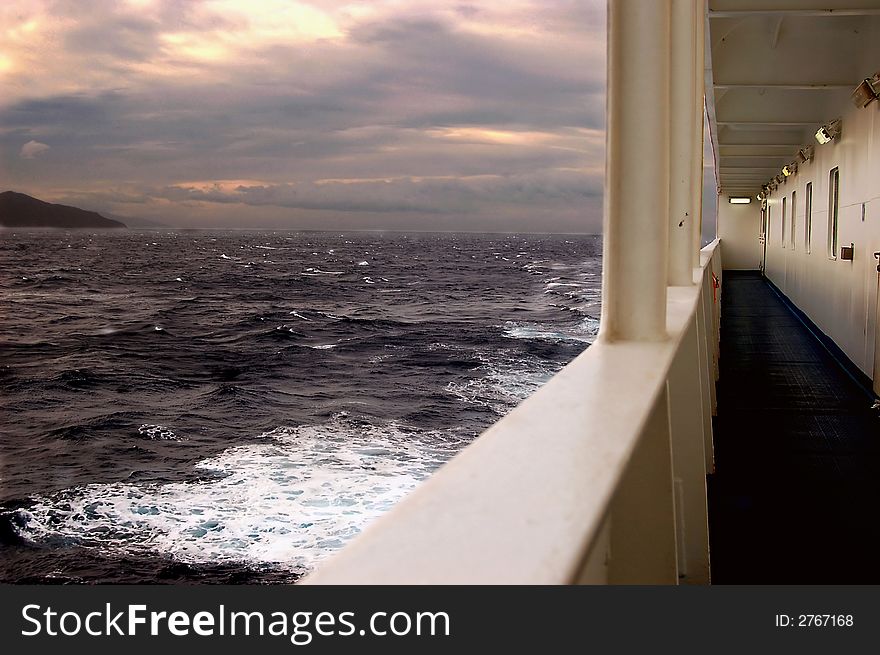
(795, 497)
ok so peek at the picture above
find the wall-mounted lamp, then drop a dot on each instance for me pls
(789, 169)
(805, 154)
(867, 91)
(779, 179)
(828, 132)
(739, 200)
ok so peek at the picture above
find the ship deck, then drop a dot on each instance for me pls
(796, 489)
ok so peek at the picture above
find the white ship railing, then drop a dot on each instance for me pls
(600, 476)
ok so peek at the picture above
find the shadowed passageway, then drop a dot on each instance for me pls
(795, 497)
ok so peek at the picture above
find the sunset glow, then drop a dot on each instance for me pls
(286, 113)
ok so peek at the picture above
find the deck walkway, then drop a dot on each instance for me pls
(795, 497)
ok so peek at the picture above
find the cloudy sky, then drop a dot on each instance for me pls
(311, 113)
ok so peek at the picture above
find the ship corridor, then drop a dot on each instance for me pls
(794, 497)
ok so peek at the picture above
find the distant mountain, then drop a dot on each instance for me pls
(139, 223)
(20, 210)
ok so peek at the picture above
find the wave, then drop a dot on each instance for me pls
(318, 271)
(78, 378)
(507, 378)
(585, 331)
(157, 433)
(79, 430)
(288, 500)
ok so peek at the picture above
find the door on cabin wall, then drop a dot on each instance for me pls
(764, 236)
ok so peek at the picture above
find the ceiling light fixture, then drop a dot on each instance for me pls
(739, 200)
(805, 154)
(828, 132)
(867, 91)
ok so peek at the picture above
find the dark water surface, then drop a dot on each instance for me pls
(233, 406)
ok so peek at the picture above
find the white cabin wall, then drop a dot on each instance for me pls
(739, 227)
(840, 297)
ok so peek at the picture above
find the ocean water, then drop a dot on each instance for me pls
(235, 406)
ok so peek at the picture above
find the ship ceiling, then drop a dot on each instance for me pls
(776, 72)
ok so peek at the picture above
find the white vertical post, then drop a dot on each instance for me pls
(682, 85)
(595, 569)
(699, 109)
(706, 344)
(687, 425)
(642, 540)
(636, 226)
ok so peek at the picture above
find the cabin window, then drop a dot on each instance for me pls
(833, 208)
(783, 220)
(808, 218)
(793, 217)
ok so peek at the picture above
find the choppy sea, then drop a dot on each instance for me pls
(234, 406)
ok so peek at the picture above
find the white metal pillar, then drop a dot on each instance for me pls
(636, 225)
(699, 111)
(682, 95)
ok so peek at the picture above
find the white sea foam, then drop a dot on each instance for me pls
(286, 501)
(318, 271)
(157, 433)
(585, 331)
(507, 378)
